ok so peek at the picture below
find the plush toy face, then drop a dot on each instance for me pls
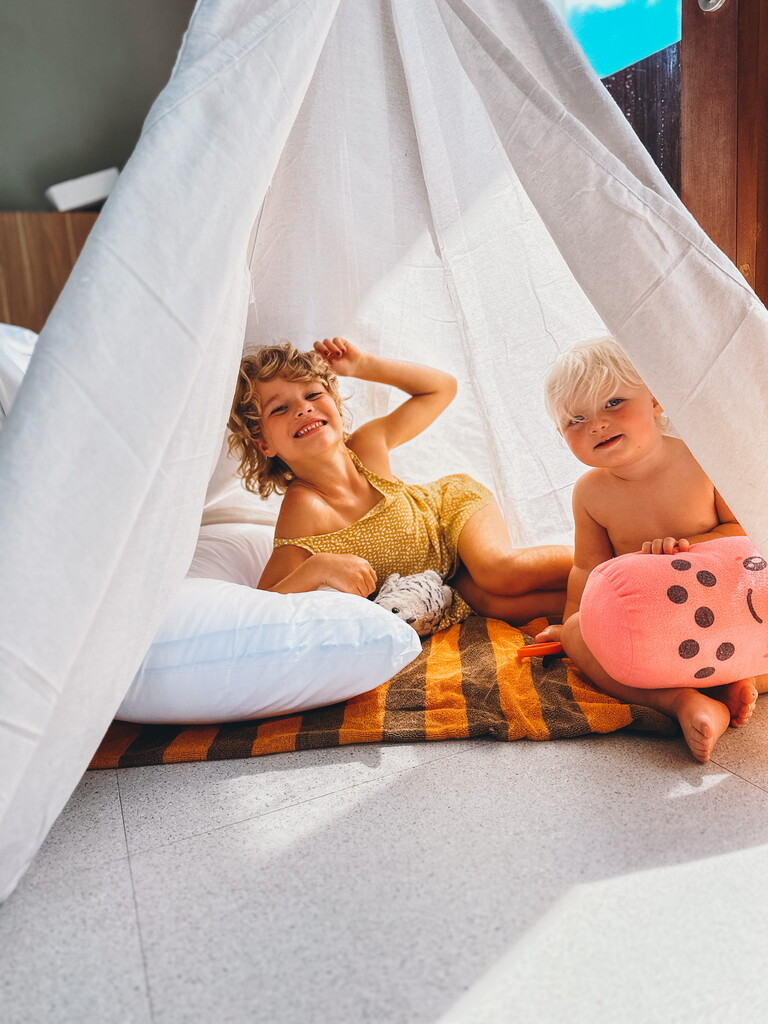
(698, 618)
(420, 600)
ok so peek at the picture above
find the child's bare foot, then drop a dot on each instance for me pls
(703, 721)
(739, 697)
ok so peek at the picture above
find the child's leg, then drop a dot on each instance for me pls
(516, 609)
(702, 718)
(496, 567)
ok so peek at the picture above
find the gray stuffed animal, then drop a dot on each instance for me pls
(420, 600)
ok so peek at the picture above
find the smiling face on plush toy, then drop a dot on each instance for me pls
(702, 610)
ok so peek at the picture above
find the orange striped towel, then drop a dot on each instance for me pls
(467, 682)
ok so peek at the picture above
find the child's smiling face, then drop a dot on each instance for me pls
(625, 428)
(298, 417)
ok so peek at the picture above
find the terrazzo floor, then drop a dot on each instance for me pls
(601, 879)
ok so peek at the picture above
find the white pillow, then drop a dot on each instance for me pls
(227, 500)
(236, 552)
(227, 652)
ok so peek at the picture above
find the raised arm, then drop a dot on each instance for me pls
(431, 390)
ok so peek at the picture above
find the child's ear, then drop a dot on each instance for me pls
(657, 409)
(264, 448)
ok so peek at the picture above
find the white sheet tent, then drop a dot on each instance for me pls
(443, 180)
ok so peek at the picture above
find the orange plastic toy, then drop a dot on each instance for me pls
(540, 650)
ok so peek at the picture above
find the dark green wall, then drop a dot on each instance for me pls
(77, 78)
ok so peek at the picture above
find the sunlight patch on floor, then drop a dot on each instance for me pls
(686, 788)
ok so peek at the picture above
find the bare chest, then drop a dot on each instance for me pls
(677, 504)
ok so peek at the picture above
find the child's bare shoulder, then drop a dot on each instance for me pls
(677, 452)
(682, 467)
(593, 500)
(303, 513)
(675, 447)
(589, 485)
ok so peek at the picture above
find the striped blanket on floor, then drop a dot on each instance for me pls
(467, 682)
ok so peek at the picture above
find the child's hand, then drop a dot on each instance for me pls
(665, 546)
(549, 635)
(341, 355)
(349, 573)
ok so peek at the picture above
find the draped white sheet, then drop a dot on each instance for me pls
(444, 180)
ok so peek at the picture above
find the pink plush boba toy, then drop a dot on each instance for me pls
(698, 618)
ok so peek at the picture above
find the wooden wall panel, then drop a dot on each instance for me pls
(648, 94)
(37, 253)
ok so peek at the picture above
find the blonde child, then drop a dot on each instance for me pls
(644, 493)
(345, 521)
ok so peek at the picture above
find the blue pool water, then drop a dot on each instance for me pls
(616, 33)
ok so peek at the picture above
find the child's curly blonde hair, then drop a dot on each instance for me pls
(261, 474)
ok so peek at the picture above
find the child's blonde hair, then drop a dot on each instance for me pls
(583, 378)
(261, 474)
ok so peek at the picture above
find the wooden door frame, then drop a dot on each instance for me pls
(724, 129)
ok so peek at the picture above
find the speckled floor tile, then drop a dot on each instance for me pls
(387, 900)
(70, 950)
(164, 803)
(87, 833)
(745, 751)
(668, 945)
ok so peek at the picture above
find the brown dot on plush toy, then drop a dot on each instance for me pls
(688, 649)
(724, 652)
(680, 564)
(704, 617)
(704, 673)
(706, 579)
(678, 595)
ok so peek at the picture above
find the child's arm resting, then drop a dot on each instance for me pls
(294, 570)
(728, 526)
(592, 546)
(431, 390)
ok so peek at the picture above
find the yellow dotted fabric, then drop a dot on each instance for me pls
(413, 528)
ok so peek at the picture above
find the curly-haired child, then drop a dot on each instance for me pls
(345, 520)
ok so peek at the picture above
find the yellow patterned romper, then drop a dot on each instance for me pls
(414, 527)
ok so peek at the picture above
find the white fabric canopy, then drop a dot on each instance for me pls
(445, 181)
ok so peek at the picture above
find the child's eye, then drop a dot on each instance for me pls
(613, 403)
(574, 420)
(277, 409)
(314, 394)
